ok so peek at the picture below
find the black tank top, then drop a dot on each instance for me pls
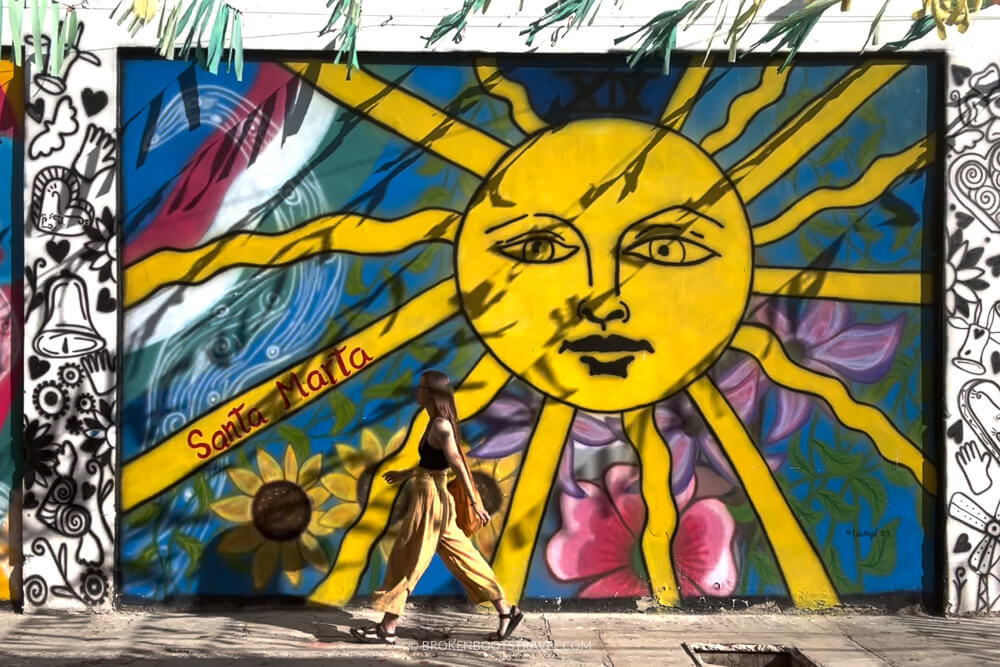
(431, 458)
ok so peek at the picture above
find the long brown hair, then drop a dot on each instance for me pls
(442, 399)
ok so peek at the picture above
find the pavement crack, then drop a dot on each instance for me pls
(864, 648)
(547, 630)
(606, 660)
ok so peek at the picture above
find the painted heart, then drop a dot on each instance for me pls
(979, 403)
(976, 186)
(57, 250)
(955, 431)
(37, 367)
(962, 544)
(963, 219)
(36, 110)
(978, 332)
(994, 264)
(88, 490)
(30, 501)
(93, 101)
(105, 302)
(959, 74)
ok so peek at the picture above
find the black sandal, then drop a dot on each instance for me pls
(515, 617)
(374, 635)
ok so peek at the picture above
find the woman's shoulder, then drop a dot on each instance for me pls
(440, 427)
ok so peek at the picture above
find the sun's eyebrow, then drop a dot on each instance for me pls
(490, 230)
(652, 229)
(683, 209)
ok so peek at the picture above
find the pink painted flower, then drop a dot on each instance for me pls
(600, 539)
(824, 339)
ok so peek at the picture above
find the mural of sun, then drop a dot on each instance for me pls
(608, 263)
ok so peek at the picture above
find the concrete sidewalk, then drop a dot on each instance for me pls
(315, 637)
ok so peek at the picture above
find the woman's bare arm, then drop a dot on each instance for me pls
(445, 439)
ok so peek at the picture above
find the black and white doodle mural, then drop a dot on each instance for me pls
(71, 304)
(972, 302)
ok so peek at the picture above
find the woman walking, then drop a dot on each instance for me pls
(429, 524)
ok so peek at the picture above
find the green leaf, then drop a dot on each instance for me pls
(343, 412)
(742, 513)
(799, 462)
(202, 492)
(192, 547)
(898, 475)
(143, 515)
(762, 560)
(833, 565)
(298, 440)
(881, 558)
(355, 284)
(840, 510)
(804, 511)
(426, 352)
(424, 260)
(393, 388)
(436, 196)
(838, 464)
(871, 490)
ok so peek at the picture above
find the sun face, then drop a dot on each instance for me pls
(606, 297)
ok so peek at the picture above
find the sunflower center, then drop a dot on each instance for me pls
(281, 511)
(489, 491)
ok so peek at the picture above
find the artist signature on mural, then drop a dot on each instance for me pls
(870, 534)
(243, 420)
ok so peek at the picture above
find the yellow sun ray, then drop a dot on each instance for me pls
(745, 107)
(873, 286)
(407, 115)
(343, 232)
(474, 393)
(867, 188)
(763, 345)
(685, 95)
(516, 543)
(511, 92)
(661, 511)
(807, 129)
(165, 464)
(808, 582)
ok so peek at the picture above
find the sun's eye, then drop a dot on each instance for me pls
(537, 248)
(670, 251)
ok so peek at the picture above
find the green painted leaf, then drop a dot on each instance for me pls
(298, 440)
(881, 558)
(762, 560)
(343, 412)
(804, 511)
(424, 260)
(355, 284)
(742, 513)
(143, 515)
(871, 490)
(202, 492)
(898, 475)
(192, 547)
(838, 464)
(395, 388)
(836, 570)
(798, 461)
(840, 510)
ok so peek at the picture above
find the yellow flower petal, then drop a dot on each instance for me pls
(245, 480)
(395, 441)
(270, 471)
(371, 446)
(235, 509)
(317, 496)
(317, 528)
(341, 515)
(291, 561)
(309, 474)
(507, 467)
(342, 486)
(265, 562)
(291, 465)
(241, 539)
(351, 460)
(313, 552)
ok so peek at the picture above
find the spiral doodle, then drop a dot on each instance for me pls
(63, 491)
(224, 349)
(71, 521)
(35, 589)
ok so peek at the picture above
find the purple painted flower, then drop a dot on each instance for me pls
(691, 441)
(824, 339)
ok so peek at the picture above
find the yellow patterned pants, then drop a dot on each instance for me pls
(430, 526)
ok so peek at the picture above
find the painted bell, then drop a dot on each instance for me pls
(68, 330)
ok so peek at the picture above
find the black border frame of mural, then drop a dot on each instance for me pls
(933, 596)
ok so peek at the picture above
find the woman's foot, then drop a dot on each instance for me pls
(375, 634)
(508, 622)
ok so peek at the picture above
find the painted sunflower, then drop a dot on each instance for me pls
(495, 480)
(279, 513)
(352, 477)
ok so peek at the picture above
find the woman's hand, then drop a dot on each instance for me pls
(396, 476)
(481, 513)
